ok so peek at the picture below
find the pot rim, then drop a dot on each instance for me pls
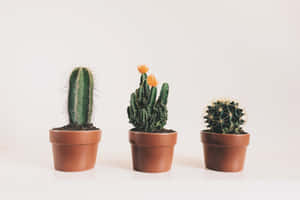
(70, 137)
(152, 139)
(218, 139)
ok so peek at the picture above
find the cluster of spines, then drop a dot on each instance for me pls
(224, 117)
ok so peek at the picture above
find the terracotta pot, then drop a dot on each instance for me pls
(224, 152)
(152, 152)
(74, 150)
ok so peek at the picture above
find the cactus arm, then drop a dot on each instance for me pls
(164, 92)
(146, 92)
(132, 101)
(139, 95)
(143, 78)
(152, 98)
(145, 119)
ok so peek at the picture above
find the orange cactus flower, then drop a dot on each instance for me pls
(151, 80)
(143, 69)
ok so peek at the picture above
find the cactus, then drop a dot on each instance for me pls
(80, 100)
(224, 117)
(146, 112)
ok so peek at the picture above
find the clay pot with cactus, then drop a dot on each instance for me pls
(152, 145)
(75, 145)
(225, 142)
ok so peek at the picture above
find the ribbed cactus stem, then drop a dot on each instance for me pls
(152, 99)
(80, 101)
(132, 101)
(143, 78)
(164, 93)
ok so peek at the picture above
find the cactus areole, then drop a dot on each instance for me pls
(80, 100)
(224, 117)
(146, 112)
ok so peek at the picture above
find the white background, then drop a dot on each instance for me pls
(244, 50)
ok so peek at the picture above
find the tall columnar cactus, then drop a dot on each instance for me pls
(146, 112)
(80, 101)
(224, 117)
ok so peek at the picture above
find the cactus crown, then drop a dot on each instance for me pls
(224, 117)
(146, 112)
(80, 100)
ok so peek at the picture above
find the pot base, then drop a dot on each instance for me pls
(152, 159)
(72, 158)
(77, 170)
(151, 171)
(74, 151)
(152, 152)
(223, 170)
(226, 159)
(224, 152)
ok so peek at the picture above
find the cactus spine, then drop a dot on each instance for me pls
(224, 117)
(80, 101)
(146, 112)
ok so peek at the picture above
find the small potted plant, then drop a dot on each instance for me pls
(224, 142)
(152, 146)
(75, 145)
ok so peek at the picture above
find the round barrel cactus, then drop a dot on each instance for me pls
(224, 117)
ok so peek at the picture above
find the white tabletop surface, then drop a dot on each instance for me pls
(271, 173)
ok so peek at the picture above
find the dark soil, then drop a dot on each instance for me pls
(87, 127)
(241, 133)
(157, 131)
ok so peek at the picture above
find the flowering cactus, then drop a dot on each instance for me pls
(146, 112)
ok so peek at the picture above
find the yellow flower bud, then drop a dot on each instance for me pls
(143, 69)
(151, 80)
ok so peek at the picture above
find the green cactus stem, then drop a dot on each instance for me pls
(80, 100)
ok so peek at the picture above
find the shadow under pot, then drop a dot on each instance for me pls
(74, 150)
(152, 152)
(224, 152)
